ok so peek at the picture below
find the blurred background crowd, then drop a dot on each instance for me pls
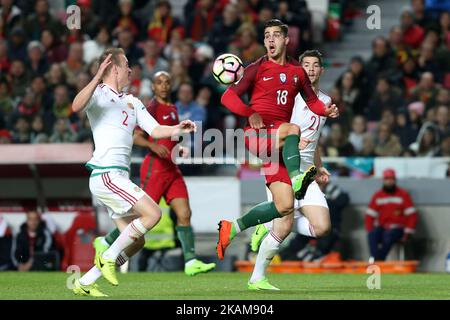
(396, 103)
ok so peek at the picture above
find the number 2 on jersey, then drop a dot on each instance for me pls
(126, 118)
(314, 119)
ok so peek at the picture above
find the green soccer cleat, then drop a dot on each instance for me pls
(258, 236)
(108, 269)
(262, 284)
(301, 182)
(198, 267)
(91, 290)
(99, 247)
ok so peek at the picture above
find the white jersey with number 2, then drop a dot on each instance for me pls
(310, 125)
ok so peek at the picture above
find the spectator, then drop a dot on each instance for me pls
(33, 238)
(55, 77)
(396, 43)
(382, 61)
(200, 20)
(6, 103)
(387, 143)
(195, 69)
(40, 20)
(388, 117)
(338, 145)
(172, 51)
(5, 136)
(247, 46)
(5, 63)
(89, 20)
(385, 96)
(350, 94)
(62, 133)
(442, 119)
(18, 78)
(74, 63)
(152, 62)
(83, 80)
(179, 76)
(84, 133)
(21, 133)
(126, 42)
(62, 106)
(390, 217)
(223, 32)
(443, 97)
(265, 14)
(125, 20)
(444, 150)
(162, 23)
(17, 45)
(92, 49)
(359, 75)
(405, 130)
(368, 147)
(356, 136)
(37, 64)
(187, 107)
(410, 77)
(54, 50)
(139, 86)
(413, 34)
(427, 143)
(426, 91)
(6, 245)
(426, 61)
(38, 134)
(10, 15)
(39, 89)
(28, 106)
(420, 15)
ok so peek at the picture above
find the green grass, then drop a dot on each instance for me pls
(175, 286)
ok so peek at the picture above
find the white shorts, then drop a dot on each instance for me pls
(115, 190)
(313, 197)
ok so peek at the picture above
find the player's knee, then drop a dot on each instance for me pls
(151, 217)
(184, 217)
(284, 207)
(284, 230)
(293, 129)
(322, 230)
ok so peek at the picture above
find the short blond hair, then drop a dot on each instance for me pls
(115, 60)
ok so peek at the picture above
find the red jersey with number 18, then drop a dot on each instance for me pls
(272, 89)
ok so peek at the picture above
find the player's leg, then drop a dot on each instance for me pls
(390, 237)
(288, 139)
(186, 236)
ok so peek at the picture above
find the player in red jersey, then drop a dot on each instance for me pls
(160, 177)
(272, 82)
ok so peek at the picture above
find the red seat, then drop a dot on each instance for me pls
(78, 240)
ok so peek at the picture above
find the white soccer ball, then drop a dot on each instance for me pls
(228, 68)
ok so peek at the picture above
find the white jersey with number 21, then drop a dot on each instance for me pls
(310, 125)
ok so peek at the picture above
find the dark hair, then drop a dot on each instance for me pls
(277, 23)
(311, 53)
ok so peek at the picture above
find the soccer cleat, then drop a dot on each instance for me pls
(258, 236)
(301, 182)
(91, 290)
(262, 284)
(198, 267)
(99, 247)
(108, 269)
(225, 229)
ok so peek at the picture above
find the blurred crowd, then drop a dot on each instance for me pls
(43, 64)
(397, 102)
(394, 104)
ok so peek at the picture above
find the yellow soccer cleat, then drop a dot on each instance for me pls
(108, 269)
(91, 290)
(198, 267)
(261, 285)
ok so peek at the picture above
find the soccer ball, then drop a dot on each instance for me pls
(227, 68)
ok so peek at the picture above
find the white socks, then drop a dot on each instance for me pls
(269, 247)
(130, 234)
(94, 273)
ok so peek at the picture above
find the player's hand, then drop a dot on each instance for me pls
(160, 150)
(255, 121)
(187, 126)
(183, 152)
(323, 176)
(102, 67)
(332, 111)
(304, 143)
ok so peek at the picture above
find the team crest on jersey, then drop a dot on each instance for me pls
(295, 79)
(283, 77)
(130, 106)
(173, 115)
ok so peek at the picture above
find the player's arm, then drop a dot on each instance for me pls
(140, 139)
(83, 97)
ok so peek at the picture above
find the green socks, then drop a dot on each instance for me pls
(112, 236)
(186, 237)
(261, 213)
(291, 155)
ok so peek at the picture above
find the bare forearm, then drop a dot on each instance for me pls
(317, 158)
(82, 98)
(165, 132)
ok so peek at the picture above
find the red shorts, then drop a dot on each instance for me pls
(262, 143)
(168, 184)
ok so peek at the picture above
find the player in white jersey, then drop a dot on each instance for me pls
(113, 115)
(312, 216)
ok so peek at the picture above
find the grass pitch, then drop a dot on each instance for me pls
(230, 286)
